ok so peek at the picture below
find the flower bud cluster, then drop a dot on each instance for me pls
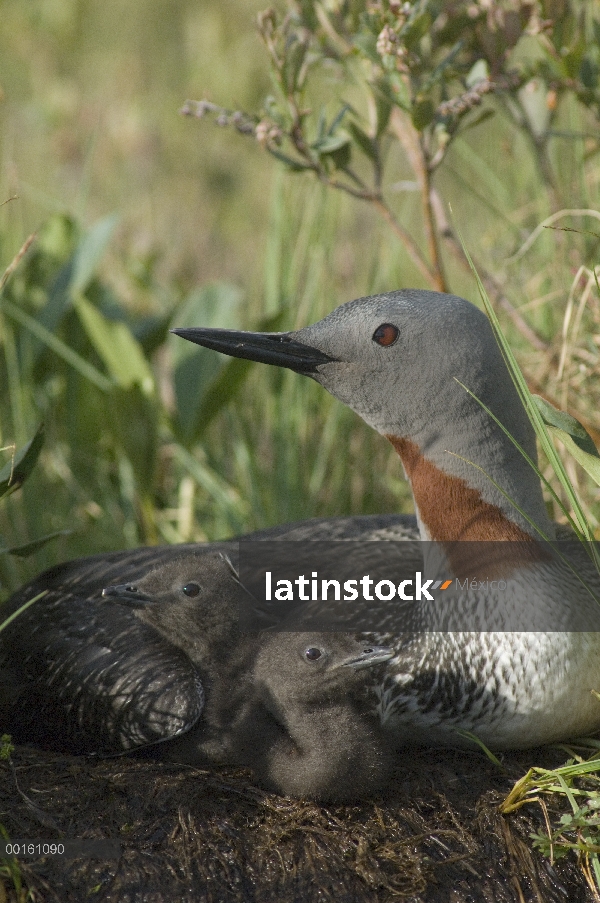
(389, 44)
(266, 132)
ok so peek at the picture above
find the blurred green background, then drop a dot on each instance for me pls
(147, 219)
(90, 125)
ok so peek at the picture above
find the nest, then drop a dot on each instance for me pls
(200, 836)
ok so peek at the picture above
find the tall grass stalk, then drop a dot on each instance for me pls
(580, 523)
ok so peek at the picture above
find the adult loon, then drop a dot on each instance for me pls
(402, 360)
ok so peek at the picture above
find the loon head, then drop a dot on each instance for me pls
(304, 666)
(195, 601)
(419, 367)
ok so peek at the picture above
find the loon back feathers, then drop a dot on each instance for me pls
(87, 577)
(97, 675)
(92, 679)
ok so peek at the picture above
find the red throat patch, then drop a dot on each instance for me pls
(455, 513)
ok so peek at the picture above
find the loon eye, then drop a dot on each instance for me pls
(191, 589)
(386, 334)
(312, 654)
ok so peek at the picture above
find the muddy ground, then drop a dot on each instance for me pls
(215, 837)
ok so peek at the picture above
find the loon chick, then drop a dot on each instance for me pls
(195, 602)
(402, 360)
(98, 677)
(286, 704)
(323, 743)
(292, 706)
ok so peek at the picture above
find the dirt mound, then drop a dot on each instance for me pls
(194, 836)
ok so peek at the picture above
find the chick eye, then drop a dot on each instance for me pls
(191, 589)
(386, 334)
(312, 654)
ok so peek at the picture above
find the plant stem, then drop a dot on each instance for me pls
(409, 243)
(415, 152)
(431, 225)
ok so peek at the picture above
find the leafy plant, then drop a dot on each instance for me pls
(577, 783)
(20, 466)
(420, 74)
(12, 476)
(76, 358)
(164, 446)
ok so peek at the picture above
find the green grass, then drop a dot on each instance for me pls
(575, 786)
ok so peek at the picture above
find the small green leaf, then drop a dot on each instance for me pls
(436, 76)
(331, 143)
(532, 98)
(572, 434)
(16, 471)
(294, 165)
(400, 92)
(422, 113)
(589, 462)
(274, 112)
(416, 27)
(295, 53)
(383, 110)
(479, 72)
(114, 342)
(35, 545)
(338, 119)
(321, 124)
(568, 424)
(477, 120)
(366, 43)
(309, 17)
(90, 251)
(367, 144)
(341, 157)
(385, 96)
